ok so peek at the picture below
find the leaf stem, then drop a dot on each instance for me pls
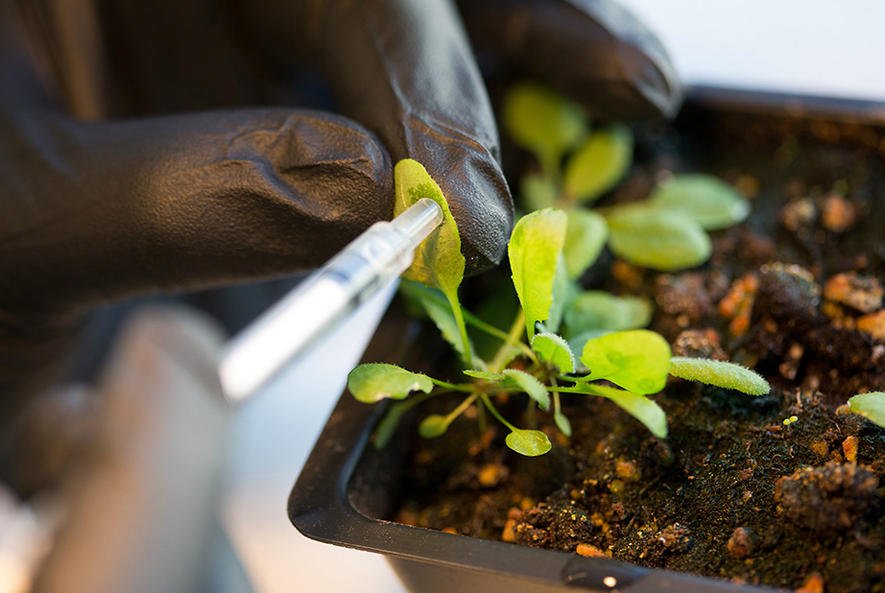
(513, 336)
(491, 407)
(452, 386)
(462, 329)
(555, 393)
(450, 417)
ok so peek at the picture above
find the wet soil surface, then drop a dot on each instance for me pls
(737, 490)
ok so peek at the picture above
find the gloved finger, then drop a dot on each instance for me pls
(139, 516)
(405, 70)
(595, 51)
(180, 202)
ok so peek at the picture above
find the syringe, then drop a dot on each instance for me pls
(325, 298)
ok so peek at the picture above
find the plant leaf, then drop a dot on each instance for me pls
(438, 261)
(585, 237)
(485, 375)
(372, 382)
(637, 360)
(657, 239)
(563, 291)
(562, 423)
(386, 428)
(538, 192)
(434, 303)
(516, 378)
(555, 350)
(721, 374)
(596, 310)
(433, 426)
(707, 200)
(640, 407)
(543, 122)
(534, 388)
(869, 405)
(530, 443)
(534, 250)
(599, 163)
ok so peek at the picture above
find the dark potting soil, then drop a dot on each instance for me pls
(783, 490)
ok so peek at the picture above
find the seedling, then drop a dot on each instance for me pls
(532, 360)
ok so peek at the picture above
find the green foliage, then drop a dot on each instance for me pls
(869, 405)
(595, 310)
(637, 360)
(640, 407)
(562, 423)
(438, 261)
(372, 382)
(721, 374)
(555, 350)
(433, 426)
(535, 251)
(542, 122)
(658, 239)
(538, 191)
(434, 303)
(548, 250)
(530, 443)
(703, 198)
(528, 383)
(585, 238)
(598, 164)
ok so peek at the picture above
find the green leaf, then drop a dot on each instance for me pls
(640, 407)
(869, 405)
(433, 426)
(705, 199)
(637, 360)
(485, 375)
(516, 378)
(438, 261)
(555, 350)
(563, 292)
(542, 122)
(595, 310)
(528, 383)
(585, 237)
(389, 423)
(562, 423)
(434, 303)
(538, 192)
(534, 250)
(599, 163)
(375, 381)
(657, 239)
(721, 374)
(530, 443)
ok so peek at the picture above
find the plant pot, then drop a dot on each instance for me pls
(347, 490)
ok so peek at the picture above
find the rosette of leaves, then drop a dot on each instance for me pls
(578, 165)
(534, 361)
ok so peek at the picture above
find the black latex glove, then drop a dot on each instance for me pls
(93, 211)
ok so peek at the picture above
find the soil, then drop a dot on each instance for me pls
(783, 490)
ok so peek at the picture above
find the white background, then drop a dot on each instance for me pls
(822, 47)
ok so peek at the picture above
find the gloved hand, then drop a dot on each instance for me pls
(97, 210)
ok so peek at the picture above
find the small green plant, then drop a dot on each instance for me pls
(532, 359)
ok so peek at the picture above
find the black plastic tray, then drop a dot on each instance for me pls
(343, 493)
